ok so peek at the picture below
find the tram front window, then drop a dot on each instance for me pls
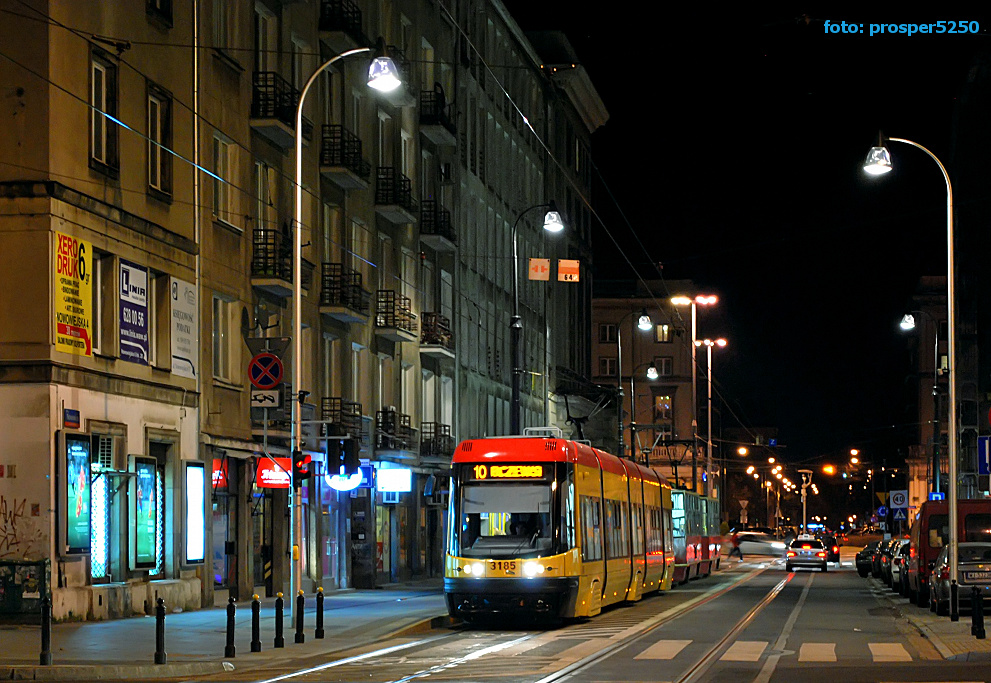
(505, 520)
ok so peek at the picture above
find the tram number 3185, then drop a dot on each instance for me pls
(508, 565)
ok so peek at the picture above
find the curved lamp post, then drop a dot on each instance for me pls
(878, 162)
(384, 77)
(552, 223)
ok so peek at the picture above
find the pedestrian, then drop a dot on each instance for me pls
(735, 550)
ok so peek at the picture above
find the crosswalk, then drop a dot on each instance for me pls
(754, 650)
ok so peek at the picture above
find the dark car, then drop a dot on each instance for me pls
(806, 551)
(899, 564)
(832, 547)
(888, 551)
(865, 558)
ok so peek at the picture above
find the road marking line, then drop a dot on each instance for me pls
(581, 650)
(771, 662)
(817, 652)
(745, 651)
(889, 652)
(665, 649)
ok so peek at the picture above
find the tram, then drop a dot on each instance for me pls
(550, 526)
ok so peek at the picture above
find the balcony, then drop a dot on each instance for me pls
(435, 118)
(340, 417)
(273, 109)
(341, 25)
(341, 295)
(436, 441)
(392, 430)
(394, 319)
(435, 227)
(341, 161)
(404, 95)
(394, 196)
(436, 340)
(271, 261)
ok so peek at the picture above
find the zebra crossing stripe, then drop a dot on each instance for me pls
(889, 652)
(745, 651)
(817, 652)
(665, 649)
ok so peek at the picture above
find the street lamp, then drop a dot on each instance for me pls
(699, 300)
(709, 343)
(878, 162)
(907, 324)
(552, 223)
(806, 481)
(651, 374)
(384, 77)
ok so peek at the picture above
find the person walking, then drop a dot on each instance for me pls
(735, 550)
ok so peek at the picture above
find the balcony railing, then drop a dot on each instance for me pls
(436, 440)
(393, 188)
(392, 429)
(435, 117)
(274, 97)
(340, 417)
(271, 255)
(340, 148)
(341, 286)
(340, 15)
(394, 311)
(436, 221)
(436, 330)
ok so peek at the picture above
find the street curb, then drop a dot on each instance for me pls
(112, 672)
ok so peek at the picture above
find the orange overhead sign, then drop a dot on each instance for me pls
(567, 270)
(540, 269)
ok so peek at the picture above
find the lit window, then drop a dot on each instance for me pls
(663, 333)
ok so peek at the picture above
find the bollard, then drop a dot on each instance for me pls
(954, 605)
(300, 606)
(279, 606)
(256, 607)
(231, 611)
(318, 633)
(160, 655)
(977, 612)
(46, 632)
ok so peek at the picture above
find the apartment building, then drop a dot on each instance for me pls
(147, 188)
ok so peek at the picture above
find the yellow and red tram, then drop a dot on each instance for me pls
(556, 527)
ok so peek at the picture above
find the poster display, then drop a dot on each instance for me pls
(145, 513)
(195, 512)
(77, 500)
(133, 313)
(73, 292)
(185, 327)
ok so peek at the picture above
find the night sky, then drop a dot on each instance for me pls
(735, 148)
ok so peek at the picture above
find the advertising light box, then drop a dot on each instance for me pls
(273, 473)
(399, 480)
(77, 493)
(145, 513)
(195, 512)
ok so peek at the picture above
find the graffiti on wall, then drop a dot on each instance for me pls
(21, 536)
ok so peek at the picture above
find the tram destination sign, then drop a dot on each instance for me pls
(510, 472)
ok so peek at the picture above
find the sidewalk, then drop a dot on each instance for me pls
(195, 641)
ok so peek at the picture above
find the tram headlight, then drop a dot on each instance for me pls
(470, 569)
(531, 569)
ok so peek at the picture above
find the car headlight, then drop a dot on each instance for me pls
(531, 569)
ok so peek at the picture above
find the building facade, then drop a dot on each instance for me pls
(147, 187)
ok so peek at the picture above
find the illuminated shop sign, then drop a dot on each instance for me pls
(399, 480)
(195, 512)
(507, 472)
(273, 473)
(219, 473)
(77, 493)
(145, 513)
(363, 479)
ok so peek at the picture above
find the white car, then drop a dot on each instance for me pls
(758, 543)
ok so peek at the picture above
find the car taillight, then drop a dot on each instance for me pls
(911, 552)
(944, 574)
(792, 553)
(822, 554)
(836, 549)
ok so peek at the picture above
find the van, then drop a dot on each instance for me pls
(931, 531)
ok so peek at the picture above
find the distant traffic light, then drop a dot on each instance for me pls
(335, 456)
(352, 461)
(302, 467)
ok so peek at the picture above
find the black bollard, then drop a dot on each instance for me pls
(977, 613)
(954, 605)
(318, 633)
(160, 655)
(231, 611)
(46, 632)
(300, 605)
(279, 606)
(256, 607)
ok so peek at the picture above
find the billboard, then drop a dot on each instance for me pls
(73, 292)
(185, 327)
(195, 512)
(133, 313)
(78, 449)
(145, 511)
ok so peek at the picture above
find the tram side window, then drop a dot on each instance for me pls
(666, 532)
(637, 519)
(568, 516)
(678, 518)
(591, 530)
(617, 545)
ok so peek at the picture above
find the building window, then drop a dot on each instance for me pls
(663, 333)
(222, 338)
(607, 333)
(103, 112)
(664, 365)
(159, 140)
(223, 164)
(161, 10)
(663, 407)
(221, 24)
(607, 367)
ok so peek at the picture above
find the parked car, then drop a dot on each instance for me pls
(759, 543)
(806, 551)
(973, 570)
(888, 552)
(899, 582)
(832, 547)
(865, 558)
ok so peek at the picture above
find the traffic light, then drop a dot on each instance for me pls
(335, 456)
(351, 459)
(301, 467)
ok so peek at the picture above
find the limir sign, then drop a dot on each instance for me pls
(508, 471)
